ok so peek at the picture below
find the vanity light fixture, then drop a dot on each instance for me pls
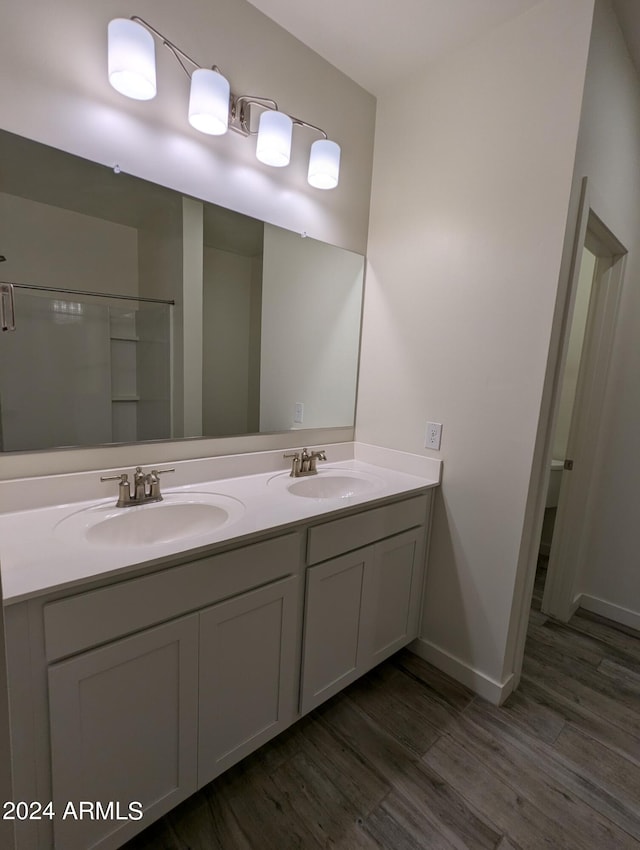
(213, 108)
(209, 101)
(273, 146)
(324, 164)
(132, 59)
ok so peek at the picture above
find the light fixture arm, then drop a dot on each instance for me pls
(302, 123)
(177, 51)
(237, 101)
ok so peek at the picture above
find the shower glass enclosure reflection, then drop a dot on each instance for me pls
(83, 369)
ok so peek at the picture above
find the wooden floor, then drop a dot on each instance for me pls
(407, 759)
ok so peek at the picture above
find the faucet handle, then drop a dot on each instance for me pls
(154, 483)
(124, 489)
(295, 463)
(122, 477)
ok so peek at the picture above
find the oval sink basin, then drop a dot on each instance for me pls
(177, 516)
(331, 484)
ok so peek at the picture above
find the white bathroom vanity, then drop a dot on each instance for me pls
(143, 663)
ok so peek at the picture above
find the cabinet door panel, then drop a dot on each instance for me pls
(124, 729)
(395, 594)
(333, 626)
(247, 674)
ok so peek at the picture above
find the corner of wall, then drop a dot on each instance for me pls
(484, 686)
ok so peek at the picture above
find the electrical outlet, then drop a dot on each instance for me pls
(433, 436)
(298, 413)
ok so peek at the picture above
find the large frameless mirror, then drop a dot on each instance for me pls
(136, 313)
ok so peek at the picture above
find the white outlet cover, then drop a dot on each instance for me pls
(433, 436)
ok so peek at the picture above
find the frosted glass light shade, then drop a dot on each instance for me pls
(132, 59)
(209, 102)
(324, 164)
(274, 138)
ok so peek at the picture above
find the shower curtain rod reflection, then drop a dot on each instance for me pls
(86, 292)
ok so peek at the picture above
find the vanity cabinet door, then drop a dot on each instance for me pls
(360, 608)
(248, 676)
(335, 623)
(124, 729)
(395, 594)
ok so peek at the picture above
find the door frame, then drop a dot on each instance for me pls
(576, 502)
(586, 217)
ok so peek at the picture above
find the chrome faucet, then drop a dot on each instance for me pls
(146, 487)
(304, 462)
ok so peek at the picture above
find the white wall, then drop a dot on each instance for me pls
(311, 304)
(608, 153)
(54, 89)
(472, 176)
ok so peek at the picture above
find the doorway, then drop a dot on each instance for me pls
(595, 293)
(560, 595)
(566, 402)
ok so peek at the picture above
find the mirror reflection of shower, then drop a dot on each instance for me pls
(77, 370)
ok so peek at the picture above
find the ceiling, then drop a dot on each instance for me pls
(377, 42)
(380, 42)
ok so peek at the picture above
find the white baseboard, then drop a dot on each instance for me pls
(481, 684)
(612, 612)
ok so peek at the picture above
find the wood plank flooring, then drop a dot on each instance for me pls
(407, 759)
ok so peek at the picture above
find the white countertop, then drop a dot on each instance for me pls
(38, 555)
